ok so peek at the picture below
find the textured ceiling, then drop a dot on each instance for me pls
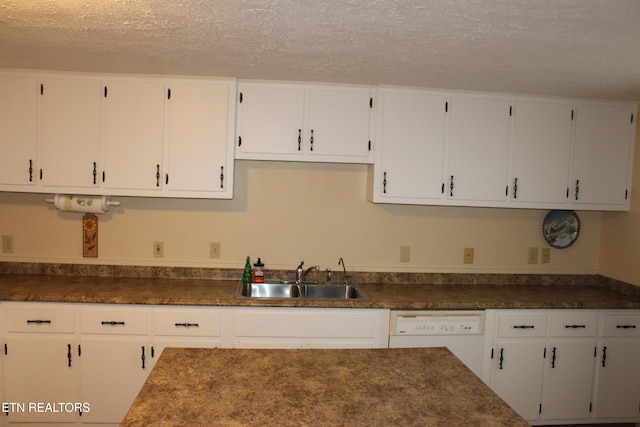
(587, 48)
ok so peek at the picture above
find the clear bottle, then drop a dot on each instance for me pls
(247, 274)
(258, 272)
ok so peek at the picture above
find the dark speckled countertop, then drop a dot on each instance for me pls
(356, 387)
(181, 286)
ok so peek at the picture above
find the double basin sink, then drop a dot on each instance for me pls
(293, 290)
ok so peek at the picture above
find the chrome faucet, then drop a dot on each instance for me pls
(301, 273)
(345, 278)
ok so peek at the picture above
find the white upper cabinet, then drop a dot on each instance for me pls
(339, 122)
(18, 112)
(310, 122)
(478, 149)
(270, 121)
(540, 152)
(502, 151)
(69, 132)
(603, 155)
(410, 147)
(133, 134)
(200, 133)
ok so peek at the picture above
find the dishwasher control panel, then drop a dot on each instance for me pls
(437, 323)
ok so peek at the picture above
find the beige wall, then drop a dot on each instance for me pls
(285, 212)
(620, 246)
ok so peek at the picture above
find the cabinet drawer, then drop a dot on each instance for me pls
(570, 325)
(187, 323)
(114, 321)
(622, 325)
(522, 325)
(40, 319)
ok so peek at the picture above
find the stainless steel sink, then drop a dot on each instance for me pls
(292, 290)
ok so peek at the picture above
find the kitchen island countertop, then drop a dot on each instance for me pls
(372, 387)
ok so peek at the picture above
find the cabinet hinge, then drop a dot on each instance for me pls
(446, 107)
(371, 102)
(41, 89)
(169, 93)
(240, 97)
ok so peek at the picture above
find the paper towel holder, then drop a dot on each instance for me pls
(84, 204)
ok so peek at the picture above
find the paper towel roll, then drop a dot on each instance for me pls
(86, 204)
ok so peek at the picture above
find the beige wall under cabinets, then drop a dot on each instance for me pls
(285, 212)
(620, 245)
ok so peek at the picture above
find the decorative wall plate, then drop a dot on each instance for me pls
(561, 228)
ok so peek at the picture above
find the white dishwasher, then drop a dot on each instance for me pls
(462, 332)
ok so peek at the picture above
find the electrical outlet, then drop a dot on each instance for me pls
(533, 256)
(405, 253)
(158, 249)
(214, 250)
(468, 256)
(7, 244)
(545, 256)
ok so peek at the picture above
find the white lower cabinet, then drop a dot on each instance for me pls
(310, 328)
(114, 361)
(617, 394)
(95, 358)
(568, 366)
(40, 367)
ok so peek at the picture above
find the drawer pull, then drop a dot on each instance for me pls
(187, 325)
(523, 326)
(112, 323)
(575, 326)
(626, 326)
(39, 322)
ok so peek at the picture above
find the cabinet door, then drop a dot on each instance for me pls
(134, 132)
(478, 149)
(113, 370)
(41, 368)
(568, 379)
(69, 132)
(270, 121)
(602, 155)
(339, 122)
(200, 127)
(518, 369)
(618, 379)
(540, 152)
(409, 166)
(18, 108)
